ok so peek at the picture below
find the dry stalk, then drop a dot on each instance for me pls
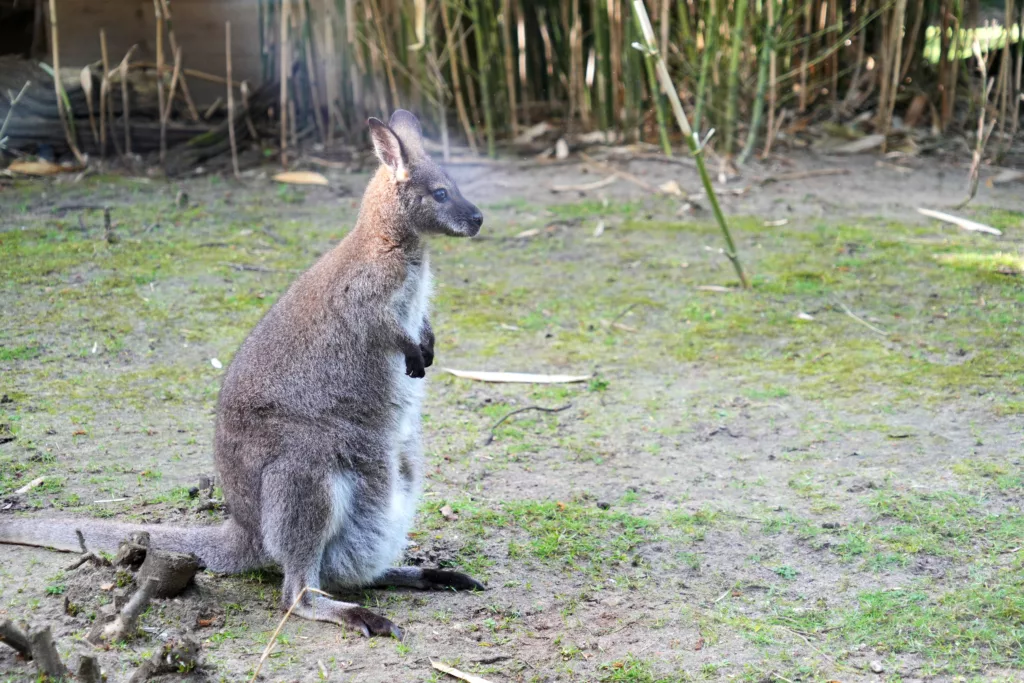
(453, 65)
(983, 131)
(58, 85)
(160, 77)
(283, 57)
(10, 111)
(273, 638)
(175, 75)
(231, 99)
(166, 12)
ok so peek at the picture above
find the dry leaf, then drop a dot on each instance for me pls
(804, 316)
(599, 229)
(699, 645)
(516, 377)
(561, 505)
(301, 178)
(776, 224)
(448, 513)
(715, 288)
(204, 622)
(41, 167)
(216, 363)
(528, 233)
(86, 78)
(1006, 175)
(959, 222)
(451, 671)
(106, 586)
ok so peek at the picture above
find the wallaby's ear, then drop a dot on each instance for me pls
(389, 150)
(407, 127)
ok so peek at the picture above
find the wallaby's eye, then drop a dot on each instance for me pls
(440, 195)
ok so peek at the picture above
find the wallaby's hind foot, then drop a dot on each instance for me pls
(347, 614)
(428, 579)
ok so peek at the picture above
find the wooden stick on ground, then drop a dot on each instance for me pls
(123, 625)
(231, 99)
(58, 85)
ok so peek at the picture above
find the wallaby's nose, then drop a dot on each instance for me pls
(477, 218)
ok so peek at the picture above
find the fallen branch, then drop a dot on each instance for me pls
(625, 175)
(490, 437)
(801, 175)
(13, 637)
(123, 625)
(959, 222)
(461, 675)
(44, 652)
(87, 555)
(29, 486)
(586, 187)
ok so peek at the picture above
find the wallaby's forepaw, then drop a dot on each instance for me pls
(415, 366)
(440, 579)
(370, 624)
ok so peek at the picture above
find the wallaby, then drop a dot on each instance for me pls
(317, 440)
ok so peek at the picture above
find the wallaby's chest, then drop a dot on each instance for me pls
(412, 300)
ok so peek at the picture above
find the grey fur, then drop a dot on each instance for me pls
(317, 438)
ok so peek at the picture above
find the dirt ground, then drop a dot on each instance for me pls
(817, 480)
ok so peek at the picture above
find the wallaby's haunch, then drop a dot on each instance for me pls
(318, 423)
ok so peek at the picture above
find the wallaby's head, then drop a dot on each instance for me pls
(429, 197)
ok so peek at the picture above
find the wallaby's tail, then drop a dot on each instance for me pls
(223, 548)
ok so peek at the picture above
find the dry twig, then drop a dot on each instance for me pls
(123, 625)
(273, 638)
(490, 437)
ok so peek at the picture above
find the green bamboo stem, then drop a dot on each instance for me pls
(710, 47)
(691, 140)
(659, 108)
(767, 49)
(483, 66)
(739, 21)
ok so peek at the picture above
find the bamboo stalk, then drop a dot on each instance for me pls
(659, 107)
(772, 84)
(231, 99)
(710, 46)
(175, 75)
(284, 55)
(58, 87)
(165, 10)
(734, 74)
(892, 69)
(485, 93)
(125, 104)
(767, 49)
(510, 69)
(453, 66)
(691, 139)
(160, 77)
